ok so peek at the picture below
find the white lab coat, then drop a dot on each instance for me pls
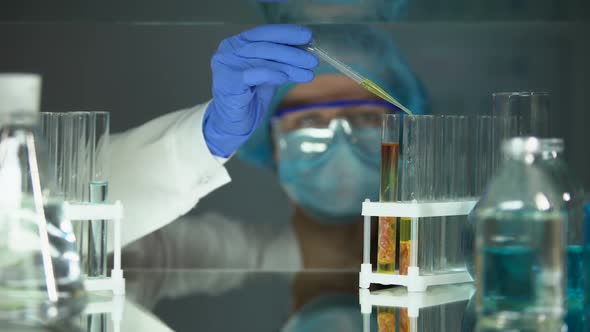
(222, 252)
(161, 169)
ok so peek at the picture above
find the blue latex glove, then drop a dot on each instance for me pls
(246, 70)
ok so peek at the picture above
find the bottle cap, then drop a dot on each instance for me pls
(20, 92)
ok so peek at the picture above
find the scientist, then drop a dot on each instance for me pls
(321, 138)
(161, 169)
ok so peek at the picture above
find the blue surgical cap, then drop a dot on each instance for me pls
(367, 50)
(331, 11)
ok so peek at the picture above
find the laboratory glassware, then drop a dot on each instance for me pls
(572, 194)
(98, 154)
(514, 114)
(363, 81)
(40, 277)
(425, 158)
(434, 167)
(78, 145)
(531, 109)
(444, 162)
(520, 242)
(388, 192)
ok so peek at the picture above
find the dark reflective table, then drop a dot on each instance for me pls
(232, 300)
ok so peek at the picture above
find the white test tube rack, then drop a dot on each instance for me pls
(112, 213)
(412, 301)
(413, 281)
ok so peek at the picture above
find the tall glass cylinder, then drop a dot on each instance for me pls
(388, 192)
(532, 109)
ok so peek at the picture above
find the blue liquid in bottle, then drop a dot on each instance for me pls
(509, 277)
(575, 274)
(575, 289)
(521, 286)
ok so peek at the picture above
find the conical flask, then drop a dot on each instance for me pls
(40, 277)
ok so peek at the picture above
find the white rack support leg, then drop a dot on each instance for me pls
(366, 268)
(111, 213)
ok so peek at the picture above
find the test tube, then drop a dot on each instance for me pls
(388, 192)
(50, 132)
(416, 185)
(78, 147)
(387, 318)
(484, 149)
(98, 145)
(458, 187)
(428, 246)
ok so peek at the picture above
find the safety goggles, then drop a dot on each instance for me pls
(358, 114)
(312, 128)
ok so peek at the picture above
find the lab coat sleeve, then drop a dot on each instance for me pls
(160, 170)
(211, 242)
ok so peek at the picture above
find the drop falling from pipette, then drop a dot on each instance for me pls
(354, 75)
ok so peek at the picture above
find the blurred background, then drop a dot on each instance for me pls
(142, 59)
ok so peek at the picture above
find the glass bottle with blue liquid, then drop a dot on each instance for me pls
(572, 194)
(520, 243)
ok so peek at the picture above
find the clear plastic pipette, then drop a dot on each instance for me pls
(355, 76)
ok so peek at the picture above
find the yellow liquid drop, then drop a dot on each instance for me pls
(379, 92)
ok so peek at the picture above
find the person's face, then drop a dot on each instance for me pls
(328, 88)
(325, 92)
(327, 141)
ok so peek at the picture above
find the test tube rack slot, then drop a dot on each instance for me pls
(413, 281)
(113, 213)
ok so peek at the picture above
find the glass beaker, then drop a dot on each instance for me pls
(388, 192)
(40, 277)
(520, 241)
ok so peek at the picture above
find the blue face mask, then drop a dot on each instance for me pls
(332, 185)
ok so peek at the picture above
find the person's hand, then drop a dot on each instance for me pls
(246, 70)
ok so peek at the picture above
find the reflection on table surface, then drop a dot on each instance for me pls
(230, 300)
(440, 308)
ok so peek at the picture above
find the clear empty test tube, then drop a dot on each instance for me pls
(49, 126)
(97, 186)
(458, 186)
(387, 252)
(417, 185)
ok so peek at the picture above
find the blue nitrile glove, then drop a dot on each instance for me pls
(246, 70)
